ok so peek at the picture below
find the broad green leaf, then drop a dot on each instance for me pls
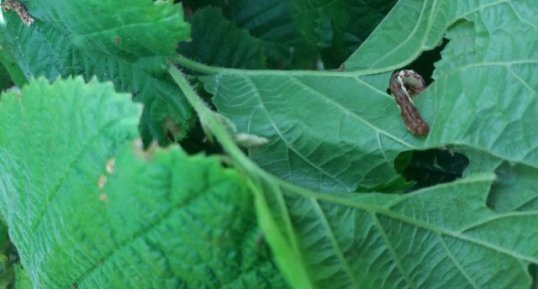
(11, 72)
(352, 142)
(335, 131)
(439, 237)
(516, 187)
(127, 42)
(271, 22)
(87, 208)
(246, 34)
(340, 26)
(217, 41)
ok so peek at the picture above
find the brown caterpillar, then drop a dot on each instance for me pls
(404, 84)
(20, 9)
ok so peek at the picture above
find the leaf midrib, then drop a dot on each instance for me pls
(377, 210)
(51, 196)
(135, 236)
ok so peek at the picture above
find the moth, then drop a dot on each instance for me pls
(403, 85)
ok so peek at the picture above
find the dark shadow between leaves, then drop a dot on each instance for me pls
(430, 167)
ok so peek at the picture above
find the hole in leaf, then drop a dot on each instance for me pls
(430, 167)
(424, 64)
(198, 142)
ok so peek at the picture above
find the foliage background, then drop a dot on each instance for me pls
(340, 196)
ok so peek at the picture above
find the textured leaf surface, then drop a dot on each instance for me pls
(246, 34)
(88, 209)
(126, 42)
(217, 41)
(271, 22)
(339, 26)
(440, 237)
(348, 130)
(22, 280)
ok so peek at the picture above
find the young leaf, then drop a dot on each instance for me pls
(128, 46)
(87, 208)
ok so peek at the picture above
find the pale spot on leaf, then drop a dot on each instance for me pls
(101, 182)
(110, 165)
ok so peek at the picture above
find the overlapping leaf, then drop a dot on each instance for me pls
(440, 237)
(87, 208)
(443, 237)
(271, 22)
(246, 34)
(333, 131)
(217, 41)
(338, 26)
(126, 42)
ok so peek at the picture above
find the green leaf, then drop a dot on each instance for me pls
(219, 42)
(271, 22)
(22, 280)
(338, 27)
(516, 188)
(247, 34)
(11, 70)
(335, 131)
(128, 45)
(431, 167)
(378, 241)
(354, 141)
(440, 237)
(87, 208)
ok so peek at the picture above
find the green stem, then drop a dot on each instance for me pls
(210, 120)
(285, 250)
(206, 69)
(197, 66)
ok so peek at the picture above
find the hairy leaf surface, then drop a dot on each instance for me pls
(126, 42)
(218, 42)
(334, 131)
(87, 208)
